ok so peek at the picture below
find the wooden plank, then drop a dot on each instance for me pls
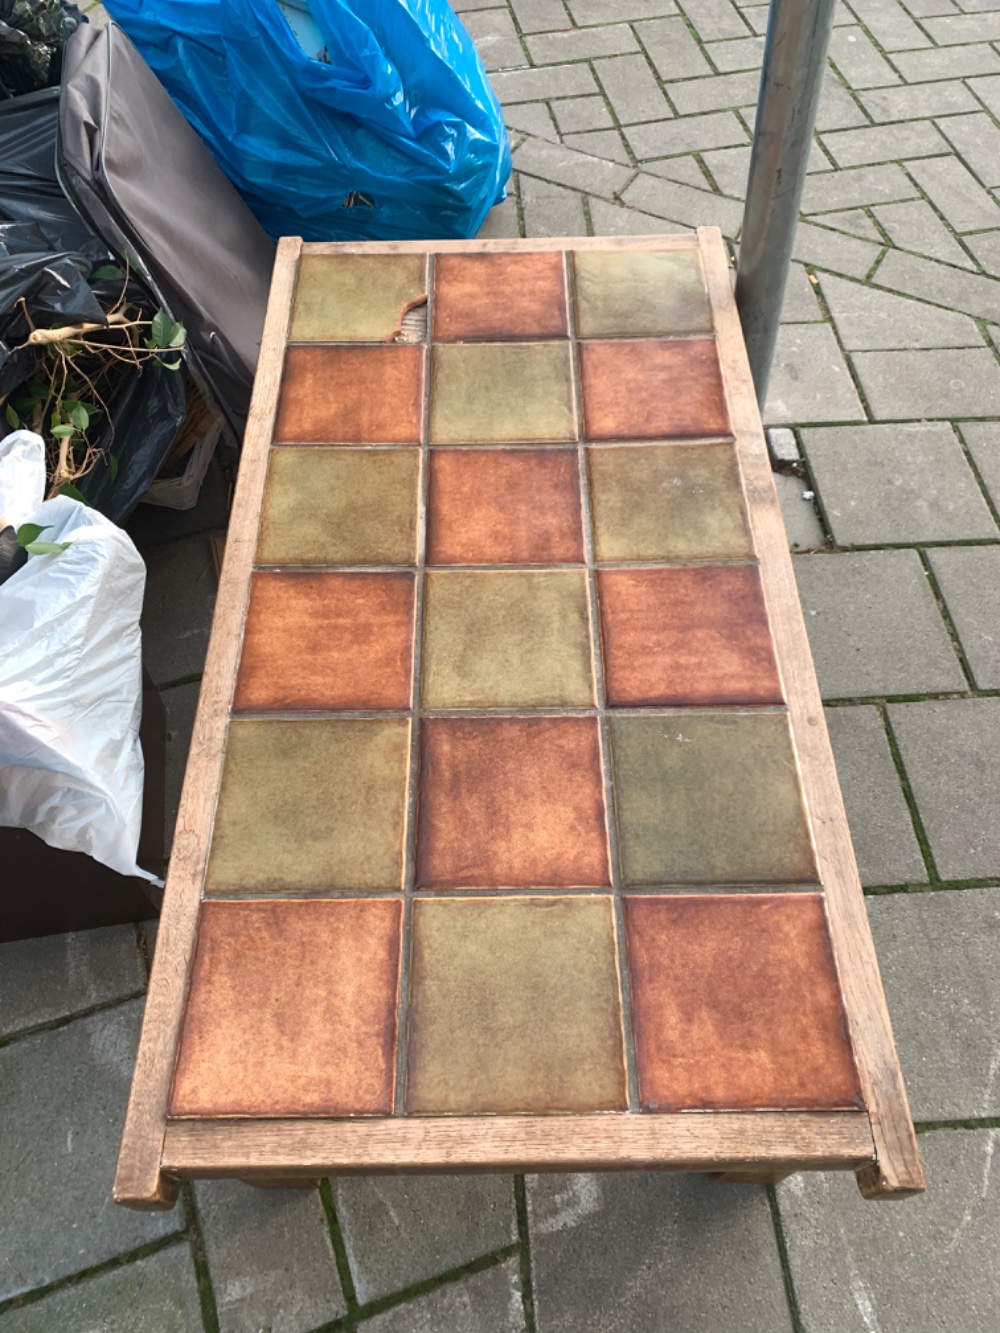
(692, 1141)
(138, 1181)
(502, 245)
(897, 1170)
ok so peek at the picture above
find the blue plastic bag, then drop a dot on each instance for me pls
(393, 133)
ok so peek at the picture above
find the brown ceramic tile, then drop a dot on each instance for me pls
(686, 635)
(482, 297)
(507, 639)
(709, 798)
(311, 806)
(645, 390)
(502, 393)
(291, 1010)
(351, 395)
(504, 507)
(514, 1007)
(340, 507)
(511, 802)
(640, 293)
(327, 641)
(355, 298)
(667, 502)
(736, 1005)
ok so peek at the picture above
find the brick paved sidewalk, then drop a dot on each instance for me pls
(634, 116)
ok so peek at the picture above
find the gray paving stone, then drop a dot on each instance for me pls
(501, 220)
(949, 62)
(854, 221)
(809, 379)
(782, 445)
(658, 1252)
(686, 134)
(896, 485)
(62, 1105)
(943, 285)
(885, 844)
(802, 526)
(682, 203)
(834, 250)
(884, 143)
(969, 579)
(986, 247)
(269, 1257)
(983, 441)
(939, 955)
(960, 28)
(714, 20)
(800, 305)
(534, 118)
(715, 94)
(631, 89)
(672, 49)
(922, 9)
(181, 704)
(899, 385)
(976, 139)
(858, 59)
(488, 1302)
(951, 752)
(874, 626)
(757, 16)
(158, 1294)
(915, 226)
(402, 1230)
(533, 85)
(551, 210)
(872, 320)
(837, 108)
(856, 187)
(890, 25)
(574, 114)
(462, 6)
(928, 1264)
(588, 12)
(48, 978)
(552, 48)
(988, 91)
(683, 169)
(615, 220)
(918, 101)
(956, 193)
(600, 143)
(739, 53)
(177, 610)
(729, 168)
(576, 171)
(540, 15)
(496, 38)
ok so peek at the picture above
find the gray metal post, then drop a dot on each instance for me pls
(798, 32)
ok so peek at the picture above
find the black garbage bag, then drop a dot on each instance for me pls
(32, 36)
(29, 186)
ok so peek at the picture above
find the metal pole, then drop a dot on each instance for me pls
(798, 32)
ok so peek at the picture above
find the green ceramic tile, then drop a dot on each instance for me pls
(709, 798)
(499, 639)
(311, 806)
(668, 502)
(514, 1007)
(497, 393)
(640, 293)
(354, 298)
(340, 507)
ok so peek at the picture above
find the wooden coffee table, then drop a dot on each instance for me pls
(511, 836)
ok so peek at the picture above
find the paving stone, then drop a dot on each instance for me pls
(402, 1230)
(969, 579)
(945, 286)
(927, 1264)
(533, 85)
(885, 844)
(729, 168)
(949, 62)
(631, 88)
(534, 118)
(800, 305)
(976, 139)
(574, 114)
(551, 210)
(922, 9)
(48, 978)
(672, 49)
(837, 108)
(899, 385)
(714, 20)
(918, 101)
(830, 249)
(956, 193)
(501, 220)
(983, 441)
(622, 1253)
(62, 1105)
(939, 955)
(858, 59)
(872, 320)
(269, 1257)
(551, 48)
(588, 12)
(715, 94)
(181, 704)
(462, 6)
(988, 92)
(151, 524)
(158, 1294)
(960, 28)
(890, 25)
(856, 187)
(600, 143)
(496, 38)
(809, 380)
(951, 752)
(576, 171)
(802, 526)
(682, 203)
(614, 220)
(884, 143)
(874, 626)
(686, 134)
(896, 484)
(177, 611)
(782, 445)
(540, 15)
(490, 1300)
(915, 226)
(986, 247)
(757, 16)
(683, 169)
(739, 53)
(854, 221)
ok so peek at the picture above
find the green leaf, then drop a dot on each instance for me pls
(46, 548)
(178, 335)
(60, 432)
(37, 388)
(13, 420)
(113, 466)
(79, 416)
(28, 532)
(67, 488)
(167, 365)
(107, 271)
(161, 329)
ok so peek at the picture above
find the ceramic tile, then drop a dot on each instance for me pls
(686, 635)
(355, 298)
(327, 641)
(340, 507)
(514, 1007)
(502, 393)
(667, 502)
(310, 806)
(518, 295)
(351, 395)
(640, 293)
(504, 507)
(736, 1004)
(500, 639)
(511, 802)
(646, 390)
(709, 798)
(291, 1010)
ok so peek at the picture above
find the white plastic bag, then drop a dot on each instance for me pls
(71, 765)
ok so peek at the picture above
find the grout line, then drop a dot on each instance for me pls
(974, 467)
(545, 711)
(199, 1257)
(524, 1253)
(791, 1296)
(923, 841)
(339, 1247)
(945, 614)
(95, 1270)
(945, 886)
(987, 1122)
(64, 1020)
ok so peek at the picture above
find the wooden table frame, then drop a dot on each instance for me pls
(878, 1143)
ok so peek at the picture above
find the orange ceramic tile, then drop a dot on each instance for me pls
(511, 802)
(327, 641)
(291, 1010)
(351, 395)
(736, 1004)
(498, 296)
(504, 507)
(645, 389)
(686, 635)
